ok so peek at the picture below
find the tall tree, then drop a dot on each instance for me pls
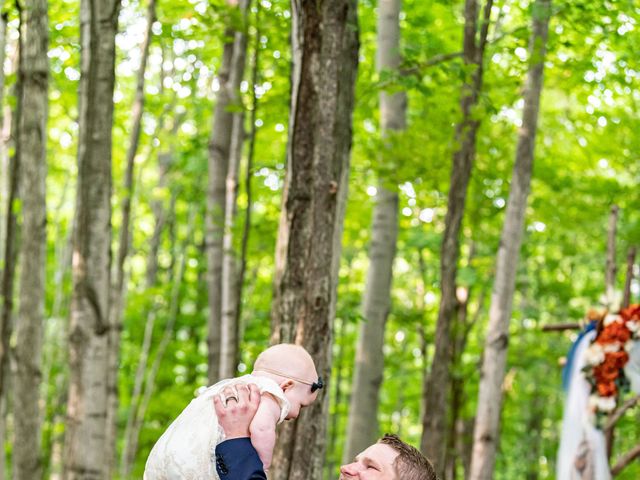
(27, 463)
(4, 20)
(229, 288)
(11, 242)
(437, 383)
(85, 435)
(486, 434)
(118, 285)
(219, 150)
(325, 56)
(362, 428)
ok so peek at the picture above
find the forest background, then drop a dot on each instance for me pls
(163, 209)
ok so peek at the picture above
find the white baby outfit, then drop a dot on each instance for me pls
(186, 450)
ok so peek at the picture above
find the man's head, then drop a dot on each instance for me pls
(293, 368)
(389, 459)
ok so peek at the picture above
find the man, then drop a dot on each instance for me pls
(236, 459)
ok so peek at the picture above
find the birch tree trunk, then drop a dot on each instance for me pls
(12, 237)
(362, 428)
(229, 325)
(437, 383)
(4, 164)
(325, 56)
(11, 229)
(219, 148)
(118, 287)
(27, 453)
(86, 440)
(486, 435)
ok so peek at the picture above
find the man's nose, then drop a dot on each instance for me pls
(350, 469)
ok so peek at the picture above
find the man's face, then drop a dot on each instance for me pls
(375, 463)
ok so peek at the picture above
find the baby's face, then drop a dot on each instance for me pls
(299, 395)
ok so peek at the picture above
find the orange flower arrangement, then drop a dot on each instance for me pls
(607, 356)
(615, 332)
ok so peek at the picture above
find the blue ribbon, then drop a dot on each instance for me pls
(566, 371)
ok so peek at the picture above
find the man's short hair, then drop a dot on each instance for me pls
(410, 464)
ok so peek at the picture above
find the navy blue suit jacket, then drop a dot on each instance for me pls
(236, 459)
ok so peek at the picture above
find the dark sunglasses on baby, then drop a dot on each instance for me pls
(317, 385)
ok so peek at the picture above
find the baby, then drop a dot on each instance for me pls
(287, 379)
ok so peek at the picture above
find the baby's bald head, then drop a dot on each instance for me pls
(287, 359)
(293, 368)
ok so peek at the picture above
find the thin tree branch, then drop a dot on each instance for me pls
(625, 460)
(435, 60)
(617, 415)
(509, 33)
(559, 327)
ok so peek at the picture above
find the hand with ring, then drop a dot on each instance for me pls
(235, 408)
(230, 396)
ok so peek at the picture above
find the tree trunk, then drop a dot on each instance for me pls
(86, 441)
(12, 240)
(27, 463)
(325, 53)
(11, 229)
(486, 434)
(229, 326)
(4, 164)
(118, 286)
(219, 148)
(437, 383)
(362, 428)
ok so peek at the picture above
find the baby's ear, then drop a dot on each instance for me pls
(286, 384)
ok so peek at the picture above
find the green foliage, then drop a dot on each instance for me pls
(586, 160)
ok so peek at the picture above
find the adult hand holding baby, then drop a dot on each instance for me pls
(236, 406)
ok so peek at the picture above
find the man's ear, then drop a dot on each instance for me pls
(286, 384)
